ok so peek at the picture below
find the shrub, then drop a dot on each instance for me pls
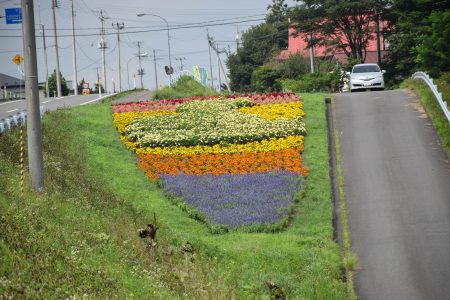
(266, 79)
(311, 82)
(185, 86)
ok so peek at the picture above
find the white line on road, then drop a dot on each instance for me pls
(10, 111)
(100, 98)
(9, 102)
(46, 101)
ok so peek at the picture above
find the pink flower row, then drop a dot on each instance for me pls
(171, 104)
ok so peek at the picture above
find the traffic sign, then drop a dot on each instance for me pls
(13, 15)
(17, 59)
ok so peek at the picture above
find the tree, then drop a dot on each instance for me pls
(52, 85)
(258, 47)
(433, 53)
(80, 86)
(344, 25)
(294, 66)
(266, 79)
(278, 16)
(418, 38)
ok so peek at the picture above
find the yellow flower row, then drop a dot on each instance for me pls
(272, 144)
(122, 120)
(288, 110)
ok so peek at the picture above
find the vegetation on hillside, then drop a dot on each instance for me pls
(79, 237)
(184, 87)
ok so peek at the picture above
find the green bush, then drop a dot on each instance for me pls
(52, 85)
(294, 66)
(311, 82)
(185, 86)
(266, 79)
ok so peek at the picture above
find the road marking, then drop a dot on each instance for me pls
(46, 101)
(59, 98)
(100, 98)
(10, 111)
(9, 102)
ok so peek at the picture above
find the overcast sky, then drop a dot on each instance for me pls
(190, 43)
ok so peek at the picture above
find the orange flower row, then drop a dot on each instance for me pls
(230, 163)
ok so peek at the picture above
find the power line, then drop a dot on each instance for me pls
(149, 30)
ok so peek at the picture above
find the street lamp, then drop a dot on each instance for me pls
(168, 37)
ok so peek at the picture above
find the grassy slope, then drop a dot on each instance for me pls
(432, 108)
(303, 260)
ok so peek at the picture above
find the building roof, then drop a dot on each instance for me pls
(9, 81)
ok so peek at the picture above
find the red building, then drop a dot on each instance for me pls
(298, 44)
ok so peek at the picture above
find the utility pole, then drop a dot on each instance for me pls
(140, 71)
(377, 20)
(181, 62)
(103, 46)
(46, 63)
(218, 68)
(119, 27)
(219, 62)
(58, 75)
(237, 38)
(156, 73)
(74, 53)
(210, 61)
(311, 54)
(35, 153)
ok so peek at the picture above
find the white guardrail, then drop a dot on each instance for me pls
(433, 88)
(15, 120)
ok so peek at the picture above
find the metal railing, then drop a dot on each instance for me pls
(15, 120)
(433, 88)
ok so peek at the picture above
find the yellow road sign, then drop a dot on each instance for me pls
(17, 59)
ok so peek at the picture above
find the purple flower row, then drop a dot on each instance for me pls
(237, 200)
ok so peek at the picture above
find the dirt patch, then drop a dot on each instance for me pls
(415, 104)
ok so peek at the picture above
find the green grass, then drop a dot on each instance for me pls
(80, 235)
(184, 87)
(433, 108)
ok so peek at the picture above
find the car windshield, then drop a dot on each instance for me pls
(366, 69)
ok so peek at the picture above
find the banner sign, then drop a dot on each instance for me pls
(200, 74)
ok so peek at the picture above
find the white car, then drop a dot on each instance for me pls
(366, 77)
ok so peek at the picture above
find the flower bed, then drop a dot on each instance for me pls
(231, 162)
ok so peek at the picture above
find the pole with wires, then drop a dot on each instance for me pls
(156, 72)
(46, 63)
(210, 61)
(34, 130)
(74, 55)
(103, 46)
(140, 71)
(119, 27)
(58, 75)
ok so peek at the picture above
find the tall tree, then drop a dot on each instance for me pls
(418, 37)
(341, 25)
(259, 45)
(52, 85)
(278, 16)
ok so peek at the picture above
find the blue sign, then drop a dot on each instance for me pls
(13, 15)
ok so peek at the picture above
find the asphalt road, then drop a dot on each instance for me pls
(9, 108)
(397, 185)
